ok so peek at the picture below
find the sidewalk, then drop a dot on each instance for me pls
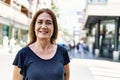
(88, 55)
(6, 60)
(90, 69)
(79, 55)
(79, 70)
(5, 50)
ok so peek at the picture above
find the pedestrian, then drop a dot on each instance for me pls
(12, 44)
(77, 47)
(42, 58)
(72, 48)
(5, 41)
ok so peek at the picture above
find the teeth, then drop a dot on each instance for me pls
(43, 32)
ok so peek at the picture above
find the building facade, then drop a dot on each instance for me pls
(13, 21)
(102, 21)
(15, 17)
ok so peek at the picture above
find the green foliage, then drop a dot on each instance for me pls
(55, 10)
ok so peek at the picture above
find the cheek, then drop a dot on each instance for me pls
(36, 27)
(52, 30)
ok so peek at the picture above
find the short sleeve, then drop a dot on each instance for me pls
(20, 61)
(66, 57)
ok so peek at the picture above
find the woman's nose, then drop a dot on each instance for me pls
(44, 25)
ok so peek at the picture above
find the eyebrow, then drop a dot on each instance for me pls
(46, 20)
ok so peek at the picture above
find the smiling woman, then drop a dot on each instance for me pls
(44, 26)
(42, 56)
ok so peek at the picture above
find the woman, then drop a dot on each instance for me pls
(42, 58)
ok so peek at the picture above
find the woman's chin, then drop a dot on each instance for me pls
(45, 37)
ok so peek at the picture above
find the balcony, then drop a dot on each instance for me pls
(10, 16)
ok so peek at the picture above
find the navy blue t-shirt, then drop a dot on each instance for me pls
(36, 68)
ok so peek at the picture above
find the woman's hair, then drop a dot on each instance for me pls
(32, 35)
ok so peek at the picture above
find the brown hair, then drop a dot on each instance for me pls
(32, 35)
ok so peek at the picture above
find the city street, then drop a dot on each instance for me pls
(89, 69)
(6, 60)
(80, 68)
(91, 26)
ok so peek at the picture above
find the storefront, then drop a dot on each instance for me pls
(106, 35)
(4, 33)
(9, 31)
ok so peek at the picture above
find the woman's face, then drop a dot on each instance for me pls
(44, 26)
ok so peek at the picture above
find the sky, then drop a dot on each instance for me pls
(68, 12)
(71, 5)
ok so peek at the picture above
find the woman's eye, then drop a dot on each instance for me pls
(48, 22)
(40, 22)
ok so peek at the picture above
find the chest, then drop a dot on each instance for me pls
(45, 54)
(38, 70)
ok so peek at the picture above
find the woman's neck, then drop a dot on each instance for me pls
(43, 44)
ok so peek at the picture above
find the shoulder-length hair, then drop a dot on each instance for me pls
(32, 35)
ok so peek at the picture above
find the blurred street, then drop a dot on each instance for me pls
(81, 68)
(86, 69)
(6, 60)
(96, 23)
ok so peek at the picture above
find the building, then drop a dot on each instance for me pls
(13, 20)
(15, 17)
(102, 22)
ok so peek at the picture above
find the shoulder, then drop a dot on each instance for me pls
(65, 55)
(21, 57)
(61, 47)
(23, 51)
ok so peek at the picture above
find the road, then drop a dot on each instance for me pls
(91, 69)
(80, 69)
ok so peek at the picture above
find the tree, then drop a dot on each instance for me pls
(54, 8)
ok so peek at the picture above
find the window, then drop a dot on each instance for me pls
(97, 1)
(15, 5)
(6, 1)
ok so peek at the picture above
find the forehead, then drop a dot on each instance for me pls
(44, 16)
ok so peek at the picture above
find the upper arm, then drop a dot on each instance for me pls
(16, 73)
(67, 72)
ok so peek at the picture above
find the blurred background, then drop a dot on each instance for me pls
(88, 29)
